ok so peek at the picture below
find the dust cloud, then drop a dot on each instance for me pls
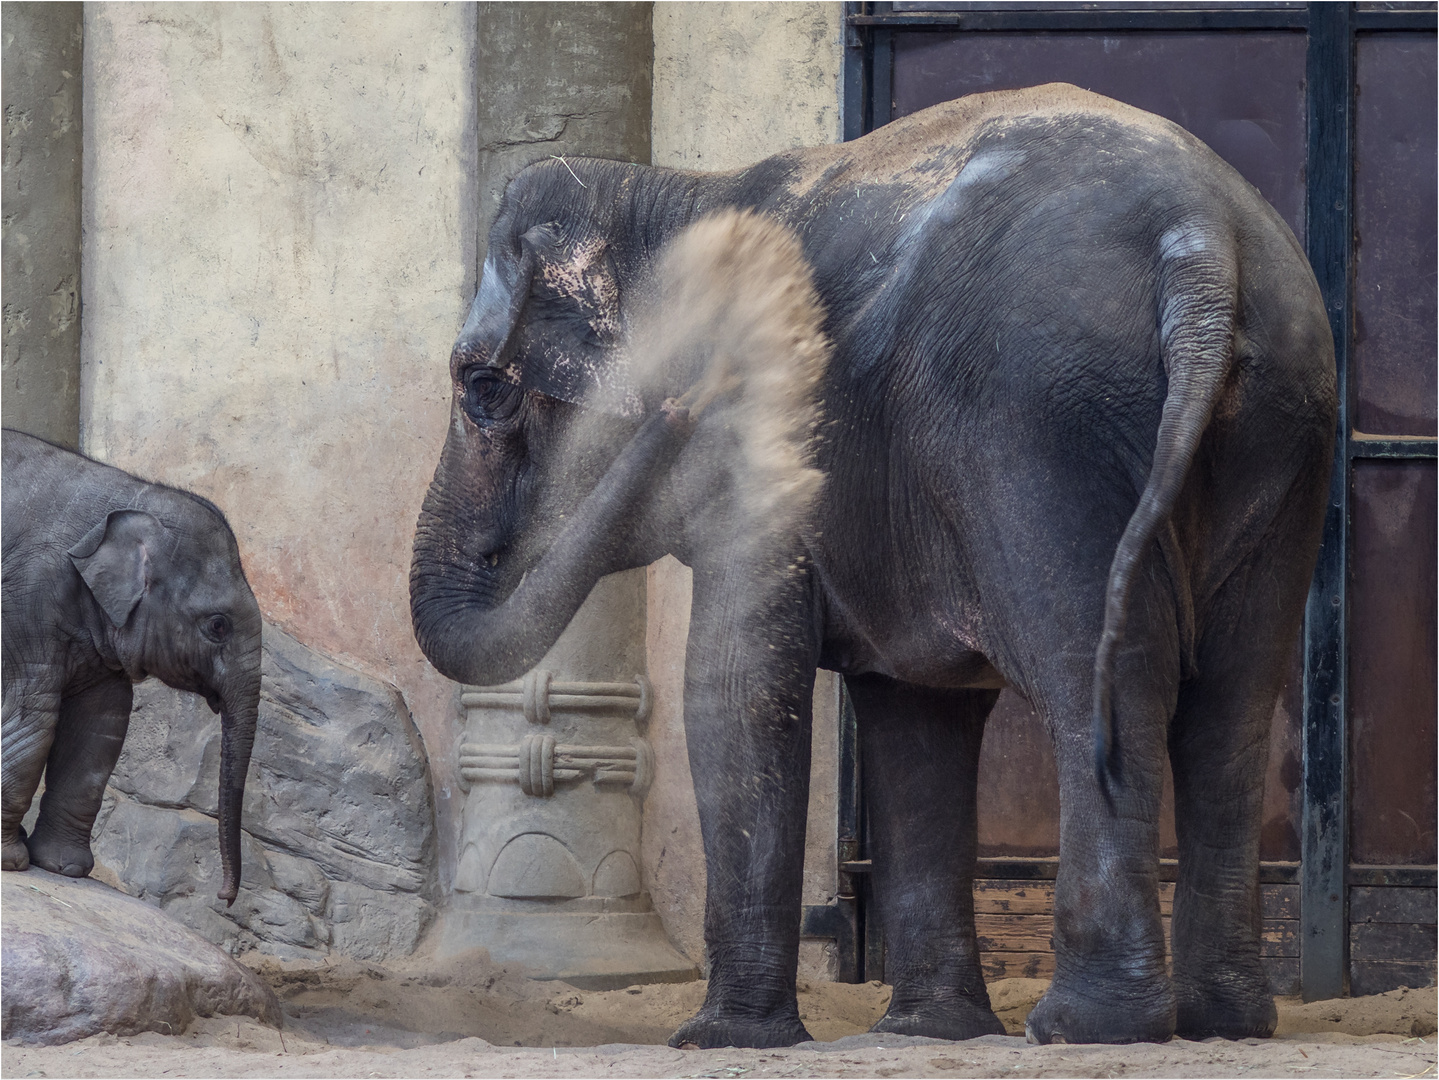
(731, 323)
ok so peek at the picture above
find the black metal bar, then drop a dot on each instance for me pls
(1395, 20)
(1049, 21)
(1401, 447)
(1413, 877)
(1323, 949)
(856, 69)
(1047, 869)
(882, 79)
(839, 921)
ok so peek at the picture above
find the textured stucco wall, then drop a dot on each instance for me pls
(40, 392)
(733, 83)
(279, 249)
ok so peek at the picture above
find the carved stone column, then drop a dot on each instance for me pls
(555, 768)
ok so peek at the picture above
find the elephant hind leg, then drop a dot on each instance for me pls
(920, 749)
(88, 740)
(1218, 748)
(27, 730)
(1110, 984)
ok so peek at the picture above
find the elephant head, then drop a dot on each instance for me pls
(574, 447)
(171, 600)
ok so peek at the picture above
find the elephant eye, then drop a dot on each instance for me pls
(488, 396)
(216, 628)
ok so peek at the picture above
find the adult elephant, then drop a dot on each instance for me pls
(109, 580)
(1077, 430)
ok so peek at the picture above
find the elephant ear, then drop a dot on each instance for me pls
(115, 560)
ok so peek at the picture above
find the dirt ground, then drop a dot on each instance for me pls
(469, 1017)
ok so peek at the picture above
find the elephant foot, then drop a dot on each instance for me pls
(61, 856)
(14, 855)
(1235, 1006)
(1072, 1011)
(710, 1029)
(912, 1013)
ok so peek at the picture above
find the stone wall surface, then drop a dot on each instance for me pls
(40, 73)
(339, 835)
(733, 83)
(280, 246)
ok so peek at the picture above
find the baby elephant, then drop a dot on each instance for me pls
(108, 580)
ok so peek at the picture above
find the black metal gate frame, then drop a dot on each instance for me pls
(1324, 873)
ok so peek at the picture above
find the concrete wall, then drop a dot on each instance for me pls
(733, 83)
(40, 390)
(279, 249)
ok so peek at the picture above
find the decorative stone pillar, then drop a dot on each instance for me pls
(554, 769)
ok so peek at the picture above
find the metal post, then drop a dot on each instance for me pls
(1324, 941)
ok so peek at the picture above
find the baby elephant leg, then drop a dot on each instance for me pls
(87, 744)
(27, 728)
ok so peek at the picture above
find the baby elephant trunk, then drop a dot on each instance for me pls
(239, 713)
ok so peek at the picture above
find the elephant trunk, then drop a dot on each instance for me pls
(239, 714)
(466, 622)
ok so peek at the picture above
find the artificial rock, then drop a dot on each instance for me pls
(339, 836)
(80, 958)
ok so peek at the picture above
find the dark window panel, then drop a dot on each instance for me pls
(1395, 338)
(1242, 93)
(1392, 663)
(1018, 783)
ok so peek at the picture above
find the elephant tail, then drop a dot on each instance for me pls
(1198, 294)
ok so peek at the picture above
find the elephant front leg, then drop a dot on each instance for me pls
(748, 686)
(920, 754)
(27, 729)
(88, 740)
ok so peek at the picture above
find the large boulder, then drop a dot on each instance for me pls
(79, 958)
(339, 834)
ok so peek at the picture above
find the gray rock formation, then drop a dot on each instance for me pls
(339, 814)
(80, 958)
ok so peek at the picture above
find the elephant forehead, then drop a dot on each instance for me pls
(582, 273)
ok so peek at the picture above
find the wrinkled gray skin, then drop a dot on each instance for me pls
(1078, 427)
(109, 580)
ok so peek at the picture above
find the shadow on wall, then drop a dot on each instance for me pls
(339, 820)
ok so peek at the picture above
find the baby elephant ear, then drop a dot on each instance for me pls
(115, 559)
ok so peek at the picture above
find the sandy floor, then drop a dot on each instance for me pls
(468, 1017)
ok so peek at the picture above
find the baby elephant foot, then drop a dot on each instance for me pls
(1238, 1006)
(710, 1029)
(938, 1017)
(1073, 1012)
(61, 856)
(14, 855)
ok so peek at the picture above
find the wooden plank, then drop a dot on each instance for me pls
(1378, 976)
(1017, 965)
(1280, 901)
(1283, 972)
(1404, 942)
(1371, 904)
(1009, 896)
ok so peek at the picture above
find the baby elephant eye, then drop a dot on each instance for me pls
(215, 627)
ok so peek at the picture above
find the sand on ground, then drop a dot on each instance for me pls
(467, 1016)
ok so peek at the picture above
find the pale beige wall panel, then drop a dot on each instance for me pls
(277, 257)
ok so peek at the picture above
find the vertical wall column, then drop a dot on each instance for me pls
(554, 768)
(42, 105)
